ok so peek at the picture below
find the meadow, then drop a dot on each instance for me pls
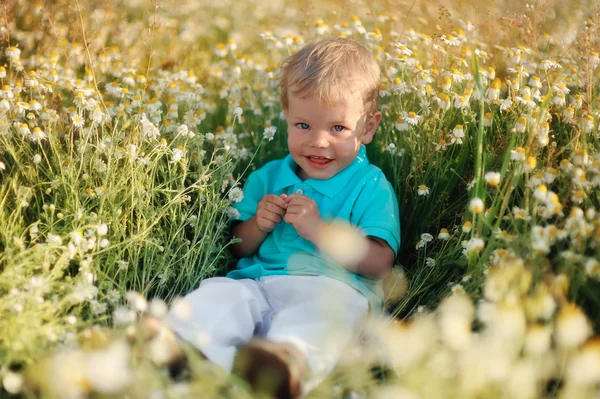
(127, 129)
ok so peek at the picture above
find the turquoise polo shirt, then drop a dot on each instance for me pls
(359, 194)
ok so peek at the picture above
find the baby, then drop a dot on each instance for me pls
(283, 317)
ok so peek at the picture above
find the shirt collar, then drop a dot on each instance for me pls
(328, 187)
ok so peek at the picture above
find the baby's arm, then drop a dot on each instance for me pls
(376, 214)
(251, 237)
(378, 260)
(303, 214)
(366, 255)
(269, 212)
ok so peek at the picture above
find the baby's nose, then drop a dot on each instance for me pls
(320, 140)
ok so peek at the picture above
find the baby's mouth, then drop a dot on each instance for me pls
(318, 162)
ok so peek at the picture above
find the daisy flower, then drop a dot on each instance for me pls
(461, 102)
(542, 134)
(38, 134)
(536, 179)
(344, 28)
(383, 91)
(443, 101)
(457, 135)
(444, 234)
(400, 87)
(231, 45)
(577, 197)
(550, 64)
(471, 184)
(412, 118)
(13, 53)
(535, 81)
(423, 190)
(402, 49)
(236, 194)
(456, 75)
(530, 163)
(518, 154)
(77, 120)
(521, 124)
(594, 59)
(467, 226)
(446, 83)
(506, 104)
(4, 106)
(441, 145)
(488, 119)
(493, 92)
(588, 123)
(492, 178)
(568, 113)
(178, 155)
(320, 27)
(24, 129)
(577, 101)
(540, 193)
(220, 50)
(550, 175)
(559, 100)
(35, 105)
(401, 124)
(481, 54)
(7, 92)
(592, 268)
(476, 205)
(426, 237)
(450, 40)
(232, 213)
(31, 80)
(474, 245)
(269, 133)
(561, 88)
(458, 289)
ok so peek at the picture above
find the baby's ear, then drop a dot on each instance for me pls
(371, 127)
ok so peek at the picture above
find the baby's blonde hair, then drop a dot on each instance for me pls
(328, 69)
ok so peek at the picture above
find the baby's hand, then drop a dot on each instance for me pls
(269, 212)
(303, 214)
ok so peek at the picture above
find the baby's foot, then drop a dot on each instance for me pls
(173, 351)
(274, 369)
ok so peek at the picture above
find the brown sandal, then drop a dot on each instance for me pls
(273, 369)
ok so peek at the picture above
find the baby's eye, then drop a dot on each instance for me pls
(303, 125)
(339, 128)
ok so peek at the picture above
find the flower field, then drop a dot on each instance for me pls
(127, 129)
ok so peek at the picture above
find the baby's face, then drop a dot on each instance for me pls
(324, 139)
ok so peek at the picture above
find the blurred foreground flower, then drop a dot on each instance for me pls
(395, 286)
(75, 373)
(495, 349)
(343, 243)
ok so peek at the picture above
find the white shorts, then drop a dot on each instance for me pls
(317, 314)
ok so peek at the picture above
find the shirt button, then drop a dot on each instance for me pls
(299, 191)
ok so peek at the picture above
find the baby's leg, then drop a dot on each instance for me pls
(318, 315)
(224, 313)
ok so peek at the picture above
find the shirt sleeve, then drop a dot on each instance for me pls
(253, 192)
(376, 211)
